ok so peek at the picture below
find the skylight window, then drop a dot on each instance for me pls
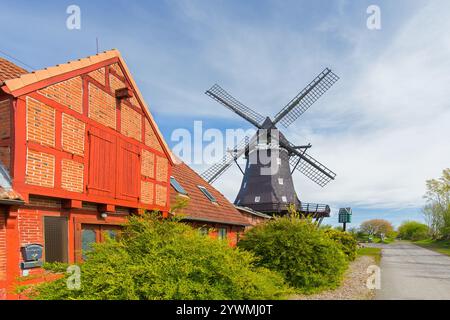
(177, 186)
(207, 194)
(257, 199)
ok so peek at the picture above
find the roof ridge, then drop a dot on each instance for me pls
(48, 72)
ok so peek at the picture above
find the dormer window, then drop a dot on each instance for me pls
(177, 186)
(207, 194)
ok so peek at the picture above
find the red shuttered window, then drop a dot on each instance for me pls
(128, 172)
(102, 163)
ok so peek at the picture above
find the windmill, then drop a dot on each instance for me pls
(272, 193)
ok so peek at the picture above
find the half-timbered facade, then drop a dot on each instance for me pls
(80, 151)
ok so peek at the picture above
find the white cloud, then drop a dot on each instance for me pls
(387, 130)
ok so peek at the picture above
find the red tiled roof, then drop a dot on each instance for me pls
(9, 70)
(199, 207)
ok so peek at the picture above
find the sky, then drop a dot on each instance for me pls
(383, 127)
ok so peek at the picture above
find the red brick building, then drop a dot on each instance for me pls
(79, 152)
(207, 208)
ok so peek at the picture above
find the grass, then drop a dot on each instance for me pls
(373, 252)
(441, 246)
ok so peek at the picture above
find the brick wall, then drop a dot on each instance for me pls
(72, 175)
(117, 69)
(40, 122)
(131, 123)
(150, 138)
(30, 227)
(115, 83)
(5, 119)
(147, 192)
(102, 106)
(40, 169)
(148, 164)
(68, 93)
(5, 157)
(160, 195)
(73, 133)
(98, 75)
(161, 168)
(44, 202)
(2, 244)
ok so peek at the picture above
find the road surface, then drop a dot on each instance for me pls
(409, 272)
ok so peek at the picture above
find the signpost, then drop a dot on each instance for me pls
(345, 216)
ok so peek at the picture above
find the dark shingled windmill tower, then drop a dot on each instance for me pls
(267, 185)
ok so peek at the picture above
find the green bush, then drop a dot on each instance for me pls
(346, 241)
(309, 260)
(154, 259)
(413, 230)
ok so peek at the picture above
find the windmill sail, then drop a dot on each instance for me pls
(217, 169)
(312, 168)
(220, 95)
(306, 98)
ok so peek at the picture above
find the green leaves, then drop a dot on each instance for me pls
(305, 255)
(163, 259)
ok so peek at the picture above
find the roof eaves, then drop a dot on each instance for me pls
(190, 218)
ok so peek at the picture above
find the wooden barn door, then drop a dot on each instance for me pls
(102, 163)
(128, 171)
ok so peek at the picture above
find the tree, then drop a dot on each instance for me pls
(413, 230)
(437, 209)
(376, 227)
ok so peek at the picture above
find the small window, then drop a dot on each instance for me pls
(245, 185)
(280, 181)
(204, 231)
(257, 198)
(207, 194)
(56, 239)
(222, 233)
(177, 186)
(284, 198)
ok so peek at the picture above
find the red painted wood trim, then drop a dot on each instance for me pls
(85, 100)
(61, 154)
(12, 251)
(19, 146)
(62, 77)
(118, 76)
(58, 146)
(64, 194)
(107, 84)
(118, 116)
(93, 123)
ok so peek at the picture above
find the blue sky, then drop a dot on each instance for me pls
(383, 128)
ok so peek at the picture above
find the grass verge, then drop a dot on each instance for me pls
(441, 246)
(373, 252)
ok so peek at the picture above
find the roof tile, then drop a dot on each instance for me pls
(9, 70)
(199, 206)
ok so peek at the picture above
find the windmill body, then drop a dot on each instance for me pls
(267, 185)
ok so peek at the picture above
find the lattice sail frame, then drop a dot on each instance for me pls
(306, 98)
(220, 95)
(216, 170)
